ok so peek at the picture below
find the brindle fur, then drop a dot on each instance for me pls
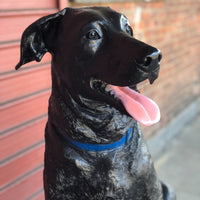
(92, 47)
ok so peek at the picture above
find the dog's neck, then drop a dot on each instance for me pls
(86, 120)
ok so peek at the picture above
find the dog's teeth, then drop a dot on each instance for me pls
(111, 92)
(115, 96)
(107, 89)
(102, 87)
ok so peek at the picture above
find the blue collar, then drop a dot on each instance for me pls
(101, 147)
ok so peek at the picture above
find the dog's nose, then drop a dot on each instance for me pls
(152, 59)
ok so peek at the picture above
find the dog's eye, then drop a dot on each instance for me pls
(128, 29)
(93, 35)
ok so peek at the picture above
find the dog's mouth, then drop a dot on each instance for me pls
(140, 107)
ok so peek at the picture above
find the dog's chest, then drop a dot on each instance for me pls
(97, 176)
(82, 175)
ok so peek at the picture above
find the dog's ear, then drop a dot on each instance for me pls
(38, 37)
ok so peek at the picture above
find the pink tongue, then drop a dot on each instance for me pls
(141, 108)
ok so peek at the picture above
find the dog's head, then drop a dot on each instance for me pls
(94, 55)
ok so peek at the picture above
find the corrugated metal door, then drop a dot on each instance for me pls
(23, 103)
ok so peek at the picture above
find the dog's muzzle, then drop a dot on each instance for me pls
(151, 65)
(152, 59)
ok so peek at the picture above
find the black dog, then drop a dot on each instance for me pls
(94, 147)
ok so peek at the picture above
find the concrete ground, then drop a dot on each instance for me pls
(179, 164)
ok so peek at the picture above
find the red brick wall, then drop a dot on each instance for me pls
(170, 25)
(173, 26)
